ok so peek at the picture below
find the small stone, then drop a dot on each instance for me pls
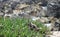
(35, 18)
(33, 27)
(23, 6)
(44, 19)
(1, 13)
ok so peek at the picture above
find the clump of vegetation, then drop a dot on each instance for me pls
(19, 28)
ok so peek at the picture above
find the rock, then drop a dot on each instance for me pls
(43, 3)
(44, 19)
(25, 1)
(53, 9)
(49, 25)
(25, 15)
(15, 0)
(4, 0)
(57, 26)
(2, 14)
(33, 27)
(16, 12)
(30, 1)
(7, 15)
(22, 6)
(1, 0)
(43, 13)
(35, 10)
(8, 11)
(13, 5)
(55, 34)
(33, 13)
(35, 18)
(44, 8)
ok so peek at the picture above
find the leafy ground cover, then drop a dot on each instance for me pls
(19, 28)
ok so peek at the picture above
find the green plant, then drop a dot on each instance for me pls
(19, 28)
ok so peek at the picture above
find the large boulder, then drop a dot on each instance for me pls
(53, 9)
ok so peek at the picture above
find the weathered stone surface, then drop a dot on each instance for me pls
(53, 9)
(54, 34)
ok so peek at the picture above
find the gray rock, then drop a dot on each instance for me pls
(53, 10)
(49, 25)
(1, 14)
(57, 26)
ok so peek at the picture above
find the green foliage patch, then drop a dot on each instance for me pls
(19, 28)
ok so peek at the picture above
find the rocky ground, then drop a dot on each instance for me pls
(55, 34)
(45, 11)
